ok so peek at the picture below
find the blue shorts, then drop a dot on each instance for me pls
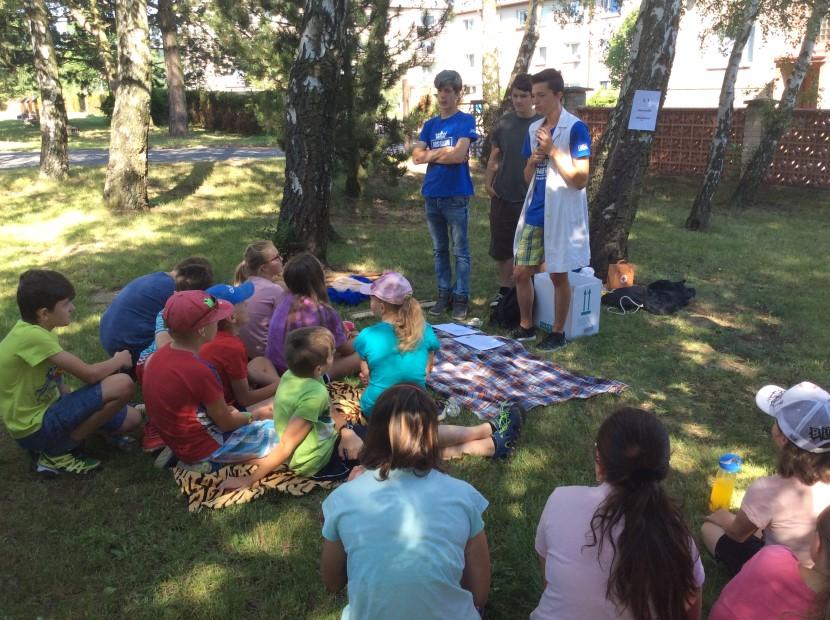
(338, 468)
(66, 414)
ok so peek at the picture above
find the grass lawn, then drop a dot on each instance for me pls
(122, 543)
(94, 132)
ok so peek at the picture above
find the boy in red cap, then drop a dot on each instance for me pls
(184, 396)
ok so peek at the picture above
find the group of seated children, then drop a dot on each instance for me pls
(407, 538)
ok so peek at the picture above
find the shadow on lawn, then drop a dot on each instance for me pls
(185, 186)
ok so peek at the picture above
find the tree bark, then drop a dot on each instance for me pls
(94, 26)
(621, 157)
(701, 211)
(526, 50)
(780, 118)
(176, 99)
(309, 129)
(54, 161)
(351, 152)
(490, 89)
(126, 183)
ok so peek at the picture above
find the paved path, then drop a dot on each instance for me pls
(98, 157)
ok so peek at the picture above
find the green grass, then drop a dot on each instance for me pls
(123, 544)
(94, 133)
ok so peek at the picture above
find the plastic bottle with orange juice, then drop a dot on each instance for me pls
(729, 466)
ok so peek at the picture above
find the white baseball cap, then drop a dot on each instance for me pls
(802, 413)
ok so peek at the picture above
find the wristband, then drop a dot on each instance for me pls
(248, 415)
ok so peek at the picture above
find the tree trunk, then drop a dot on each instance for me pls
(526, 50)
(490, 90)
(177, 103)
(701, 211)
(94, 26)
(126, 184)
(780, 119)
(351, 152)
(54, 161)
(621, 157)
(309, 129)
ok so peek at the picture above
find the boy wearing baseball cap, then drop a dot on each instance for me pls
(784, 506)
(247, 385)
(184, 396)
(444, 144)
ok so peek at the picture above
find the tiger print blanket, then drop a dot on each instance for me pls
(202, 490)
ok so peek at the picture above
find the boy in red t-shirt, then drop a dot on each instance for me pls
(227, 353)
(184, 397)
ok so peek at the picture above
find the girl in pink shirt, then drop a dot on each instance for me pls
(620, 550)
(773, 584)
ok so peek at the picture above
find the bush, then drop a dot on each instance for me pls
(246, 113)
(603, 98)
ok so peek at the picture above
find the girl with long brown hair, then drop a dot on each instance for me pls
(407, 538)
(620, 550)
(261, 265)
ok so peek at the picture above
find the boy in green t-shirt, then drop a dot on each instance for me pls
(314, 440)
(38, 409)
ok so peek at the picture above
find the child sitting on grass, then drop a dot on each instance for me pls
(783, 506)
(226, 352)
(774, 584)
(184, 396)
(38, 409)
(407, 538)
(261, 265)
(314, 440)
(307, 304)
(400, 349)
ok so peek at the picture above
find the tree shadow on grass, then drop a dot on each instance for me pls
(187, 185)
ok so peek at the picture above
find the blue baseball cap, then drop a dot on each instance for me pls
(232, 294)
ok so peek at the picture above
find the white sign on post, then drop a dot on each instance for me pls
(644, 110)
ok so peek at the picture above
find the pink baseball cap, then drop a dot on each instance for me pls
(187, 311)
(391, 287)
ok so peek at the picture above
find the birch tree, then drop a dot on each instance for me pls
(310, 128)
(621, 157)
(54, 160)
(125, 187)
(781, 116)
(527, 48)
(702, 207)
(87, 16)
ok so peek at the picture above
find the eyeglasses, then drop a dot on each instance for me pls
(275, 259)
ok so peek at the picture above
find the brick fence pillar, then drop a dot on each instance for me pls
(756, 111)
(575, 97)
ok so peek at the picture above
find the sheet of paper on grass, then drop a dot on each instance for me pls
(482, 342)
(454, 329)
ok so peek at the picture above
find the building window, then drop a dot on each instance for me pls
(427, 20)
(547, 10)
(471, 59)
(824, 33)
(542, 56)
(749, 48)
(610, 6)
(468, 24)
(605, 84)
(572, 52)
(521, 17)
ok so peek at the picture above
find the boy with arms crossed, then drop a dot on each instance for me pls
(553, 226)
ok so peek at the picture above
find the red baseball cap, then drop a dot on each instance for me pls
(187, 311)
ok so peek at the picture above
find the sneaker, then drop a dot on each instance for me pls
(497, 299)
(442, 304)
(165, 459)
(509, 421)
(66, 463)
(459, 308)
(152, 441)
(552, 342)
(125, 443)
(504, 446)
(523, 334)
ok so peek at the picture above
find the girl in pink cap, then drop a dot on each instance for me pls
(400, 349)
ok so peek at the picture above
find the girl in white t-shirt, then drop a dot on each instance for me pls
(783, 507)
(620, 550)
(407, 538)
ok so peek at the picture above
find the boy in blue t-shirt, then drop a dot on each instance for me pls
(553, 227)
(444, 145)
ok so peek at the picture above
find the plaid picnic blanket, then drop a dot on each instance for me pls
(482, 380)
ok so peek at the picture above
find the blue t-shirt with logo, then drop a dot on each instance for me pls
(580, 148)
(446, 180)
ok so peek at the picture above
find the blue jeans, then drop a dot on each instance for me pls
(447, 218)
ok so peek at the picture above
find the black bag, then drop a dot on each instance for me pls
(660, 297)
(506, 313)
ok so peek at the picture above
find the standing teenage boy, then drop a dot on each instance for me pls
(444, 144)
(553, 226)
(504, 180)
